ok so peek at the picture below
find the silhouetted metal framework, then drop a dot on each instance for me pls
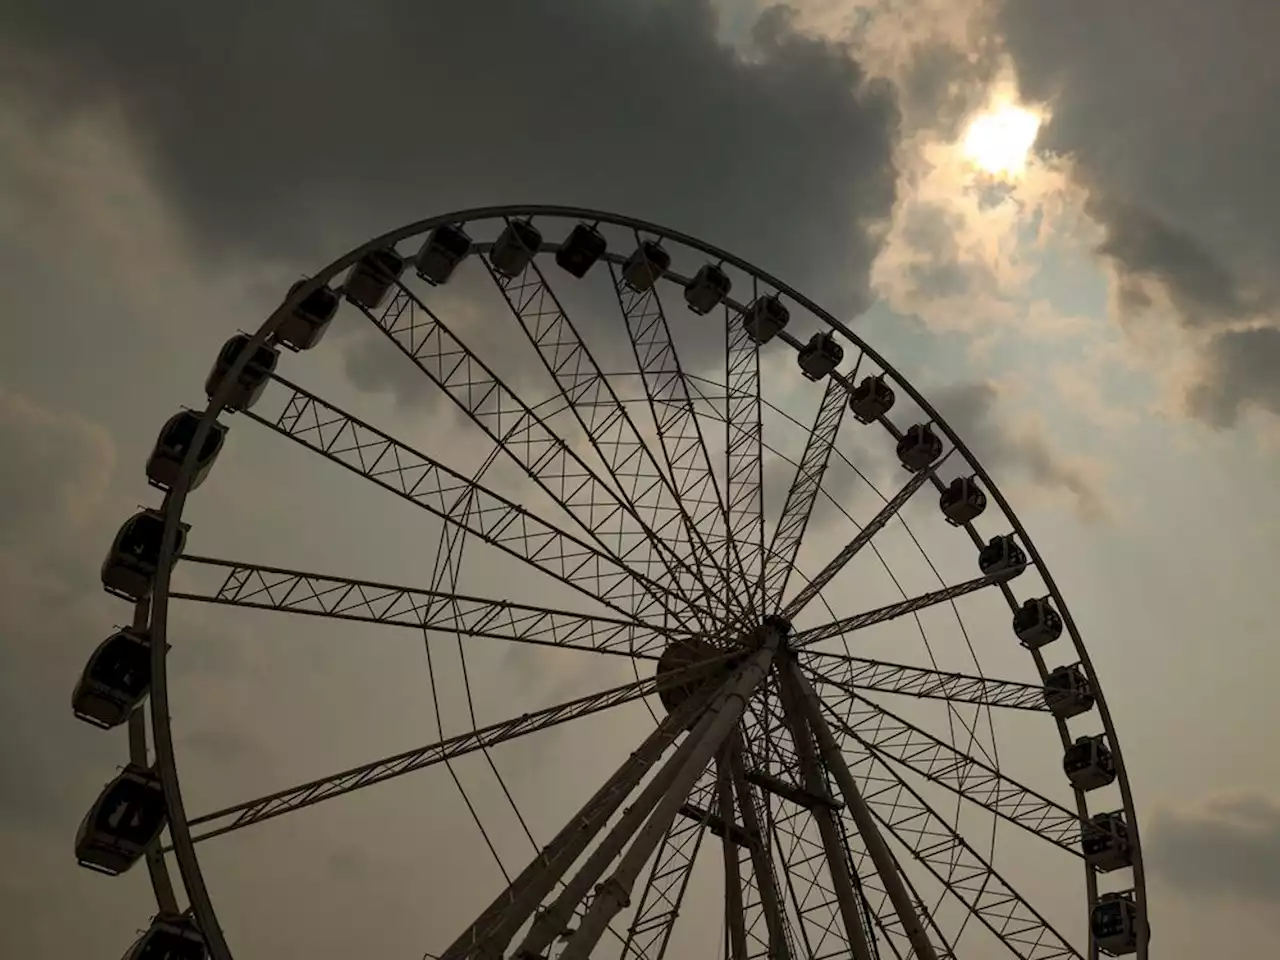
(822, 802)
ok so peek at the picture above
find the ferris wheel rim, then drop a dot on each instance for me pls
(201, 905)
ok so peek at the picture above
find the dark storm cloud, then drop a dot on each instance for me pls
(299, 129)
(1167, 110)
(1229, 849)
(972, 410)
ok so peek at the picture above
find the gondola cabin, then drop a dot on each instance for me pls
(871, 399)
(580, 250)
(765, 318)
(919, 447)
(445, 247)
(515, 248)
(963, 501)
(126, 818)
(1067, 692)
(171, 449)
(1105, 842)
(1113, 921)
(707, 289)
(1088, 763)
(1037, 624)
(115, 680)
(820, 356)
(371, 277)
(134, 558)
(1002, 558)
(646, 266)
(254, 376)
(306, 324)
(169, 938)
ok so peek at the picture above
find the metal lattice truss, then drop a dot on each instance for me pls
(293, 591)
(803, 494)
(968, 876)
(769, 752)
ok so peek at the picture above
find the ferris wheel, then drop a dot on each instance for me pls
(851, 801)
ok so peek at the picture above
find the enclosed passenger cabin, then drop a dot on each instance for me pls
(515, 247)
(919, 447)
(707, 289)
(821, 355)
(169, 938)
(253, 377)
(1036, 623)
(1113, 921)
(308, 321)
(1067, 692)
(371, 277)
(1105, 842)
(171, 449)
(1088, 763)
(134, 557)
(114, 681)
(963, 501)
(646, 266)
(126, 818)
(871, 399)
(580, 250)
(445, 247)
(1002, 558)
(765, 318)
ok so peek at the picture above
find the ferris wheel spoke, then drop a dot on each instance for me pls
(366, 601)
(744, 430)
(308, 794)
(766, 924)
(890, 737)
(323, 428)
(861, 539)
(664, 890)
(679, 430)
(524, 436)
(894, 610)
(803, 493)
(645, 489)
(837, 909)
(852, 674)
(967, 875)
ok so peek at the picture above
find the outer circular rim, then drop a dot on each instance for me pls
(175, 500)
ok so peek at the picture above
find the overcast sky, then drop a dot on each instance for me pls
(1103, 326)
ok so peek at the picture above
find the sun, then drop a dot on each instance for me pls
(998, 142)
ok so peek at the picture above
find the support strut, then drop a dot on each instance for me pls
(721, 720)
(838, 865)
(881, 856)
(492, 931)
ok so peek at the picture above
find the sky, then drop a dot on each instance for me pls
(1093, 311)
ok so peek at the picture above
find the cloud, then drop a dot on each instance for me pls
(278, 143)
(1227, 848)
(1178, 162)
(1021, 445)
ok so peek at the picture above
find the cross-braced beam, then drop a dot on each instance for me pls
(803, 493)
(645, 488)
(859, 541)
(604, 514)
(679, 429)
(336, 435)
(340, 598)
(326, 788)
(743, 436)
(856, 673)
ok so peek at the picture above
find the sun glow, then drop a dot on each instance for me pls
(998, 142)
